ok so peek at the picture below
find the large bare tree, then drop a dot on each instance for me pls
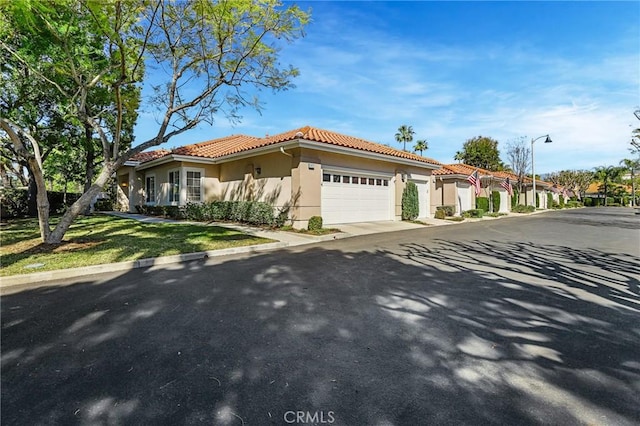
(519, 159)
(202, 54)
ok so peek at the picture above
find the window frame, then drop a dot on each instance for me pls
(147, 193)
(171, 198)
(188, 170)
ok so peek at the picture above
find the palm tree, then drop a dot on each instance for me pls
(421, 145)
(632, 165)
(404, 135)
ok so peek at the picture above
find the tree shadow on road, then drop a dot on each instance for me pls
(449, 333)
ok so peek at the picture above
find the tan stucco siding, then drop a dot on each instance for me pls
(306, 186)
(263, 178)
(130, 190)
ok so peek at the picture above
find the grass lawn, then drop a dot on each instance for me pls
(106, 239)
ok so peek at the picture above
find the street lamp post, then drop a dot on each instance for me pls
(533, 170)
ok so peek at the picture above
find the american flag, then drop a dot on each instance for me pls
(506, 184)
(474, 179)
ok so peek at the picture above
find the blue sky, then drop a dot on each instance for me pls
(455, 70)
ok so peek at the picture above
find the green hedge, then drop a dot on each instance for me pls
(549, 200)
(482, 203)
(410, 205)
(523, 209)
(561, 201)
(252, 212)
(537, 200)
(514, 198)
(14, 202)
(474, 212)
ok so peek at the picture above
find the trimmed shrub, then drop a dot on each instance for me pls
(410, 205)
(440, 214)
(173, 212)
(561, 202)
(610, 201)
(260, 214)
(474, 212)
(514, 198)
(523, 209)
(14, 202)
(573, 204)
(252, 212)
(495, 200)
(537, 200)
(482, 203)
(448, 210)
(315, 223)
(105, 205)
(281, 218)
(550, 201)
(588, 202)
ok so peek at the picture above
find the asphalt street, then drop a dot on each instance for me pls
(519, 321)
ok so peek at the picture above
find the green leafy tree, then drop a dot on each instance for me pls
(631, 166)
(607, 175)
(481, 152)
(421, 145)
(575, 180)
(405, 134)
(204, 55)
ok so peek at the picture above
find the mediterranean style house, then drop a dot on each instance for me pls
(307, 171)
(451, 187)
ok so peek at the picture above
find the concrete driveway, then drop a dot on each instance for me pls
(534, 320)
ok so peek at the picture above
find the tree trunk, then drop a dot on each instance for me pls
(42, 200)
(89, 160)
(80, 205)
(32, 196)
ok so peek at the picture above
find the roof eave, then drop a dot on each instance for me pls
(321, 146)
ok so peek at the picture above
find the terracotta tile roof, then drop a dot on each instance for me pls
(234, 144)
(460, 169)
(218, 147)
(149, 155)
(338, 139)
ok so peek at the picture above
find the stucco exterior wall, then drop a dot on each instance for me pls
(286, 181)
(263, 178)
(130, 189)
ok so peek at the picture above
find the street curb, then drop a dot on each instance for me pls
(59, 274)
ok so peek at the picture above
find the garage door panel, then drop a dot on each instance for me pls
(356, 202)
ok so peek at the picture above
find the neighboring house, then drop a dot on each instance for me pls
(307, 171)
(451, 187)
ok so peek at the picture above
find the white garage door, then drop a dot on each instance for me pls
(355, 197)
(504, 202)
(464, 197)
